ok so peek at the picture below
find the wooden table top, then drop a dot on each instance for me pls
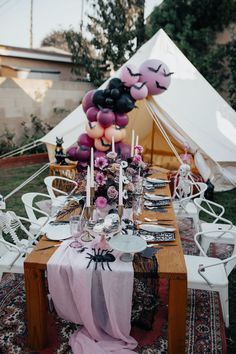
(170, 259)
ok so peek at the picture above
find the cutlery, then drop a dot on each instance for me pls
(160, 245)
(45, 248)
(158, 220)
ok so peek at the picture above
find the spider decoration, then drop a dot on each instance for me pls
(101, 257)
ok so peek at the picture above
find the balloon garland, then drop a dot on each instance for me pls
(107, 109)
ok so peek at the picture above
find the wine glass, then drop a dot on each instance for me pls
(77, 225)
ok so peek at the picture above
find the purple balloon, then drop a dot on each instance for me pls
(72, 153)
(106, 117)
(156, 76)
(87, 101)
(123, 150)
(92, 114)
(83, 153)
(84, 139)
(129, 75)
(98, 153)
(122, 120)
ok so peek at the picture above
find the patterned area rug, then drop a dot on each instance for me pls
(204, 332)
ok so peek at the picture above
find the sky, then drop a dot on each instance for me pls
(48, 15)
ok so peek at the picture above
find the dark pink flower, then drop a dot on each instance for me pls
(112, 192)
(101, 202)
(101, 179)
(101, 162)
(138, 149)
(137, 159)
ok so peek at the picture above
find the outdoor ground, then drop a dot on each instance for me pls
(10, 178)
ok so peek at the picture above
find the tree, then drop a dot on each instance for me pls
(56, 39)
(194, 25)
(117, 28)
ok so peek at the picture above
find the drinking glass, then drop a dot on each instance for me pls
(138, 185)
(77, 225)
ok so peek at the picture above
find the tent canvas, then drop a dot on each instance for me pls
(190, 111)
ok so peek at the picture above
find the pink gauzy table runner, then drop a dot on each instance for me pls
(100, 300)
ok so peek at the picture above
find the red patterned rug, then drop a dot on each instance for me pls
(204, 331)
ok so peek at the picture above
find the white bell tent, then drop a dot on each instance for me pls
(190, 111)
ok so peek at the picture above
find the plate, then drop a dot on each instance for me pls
(57, 232)
(155, 197)
(157, 181)
(128, 244)
(156, 228)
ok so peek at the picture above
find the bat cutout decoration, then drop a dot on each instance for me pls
(154, 70)
(160, 87)
(165, 74)
(139, 87)
(133, 74)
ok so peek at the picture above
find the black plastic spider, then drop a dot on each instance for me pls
(102, 257)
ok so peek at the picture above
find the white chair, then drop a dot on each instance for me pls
(58, 200)
(37, 223)
(184, 205)
(15, 242)
(214, 212)
(208, 273)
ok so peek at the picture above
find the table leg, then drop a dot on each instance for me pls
(36, 308)
(177, 316)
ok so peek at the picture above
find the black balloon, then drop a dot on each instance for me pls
(99, 98)
(115, 83)
(115, 93)
(124, 104)
(109, 102)
(107, 92)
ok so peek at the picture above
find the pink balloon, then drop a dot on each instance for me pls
(87, 101)
(102, 144)
(114, 130)
(92, 114)
(94, 130)
(106, 117)
(139, 91)
(156, 76)
(122, 120)
(84, 139)
(129, 75)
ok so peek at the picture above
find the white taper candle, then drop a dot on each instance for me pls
(120, 187)
(88, 187)
(113, 143)
(92, 168)
(132, 144)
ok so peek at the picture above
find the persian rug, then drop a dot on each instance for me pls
(204, 331)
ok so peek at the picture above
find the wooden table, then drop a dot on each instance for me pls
(171, 266)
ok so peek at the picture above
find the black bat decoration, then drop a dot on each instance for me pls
(133, 74)
(139, 88)
(160, 87)
(104, 144)
(165, 74)
(154, 70)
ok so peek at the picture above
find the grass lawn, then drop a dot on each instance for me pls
(11, 178)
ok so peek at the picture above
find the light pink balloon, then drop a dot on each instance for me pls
(115, 131)
(92, 114)
(129, 75)
(102, 144)
(156, 76)
(139, 91)
(87, 101)
(94, 130)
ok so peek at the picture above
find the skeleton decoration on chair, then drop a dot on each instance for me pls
(107, 110)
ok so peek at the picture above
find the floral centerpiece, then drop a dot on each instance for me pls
(106, 177)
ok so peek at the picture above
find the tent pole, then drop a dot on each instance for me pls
(152, 146)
